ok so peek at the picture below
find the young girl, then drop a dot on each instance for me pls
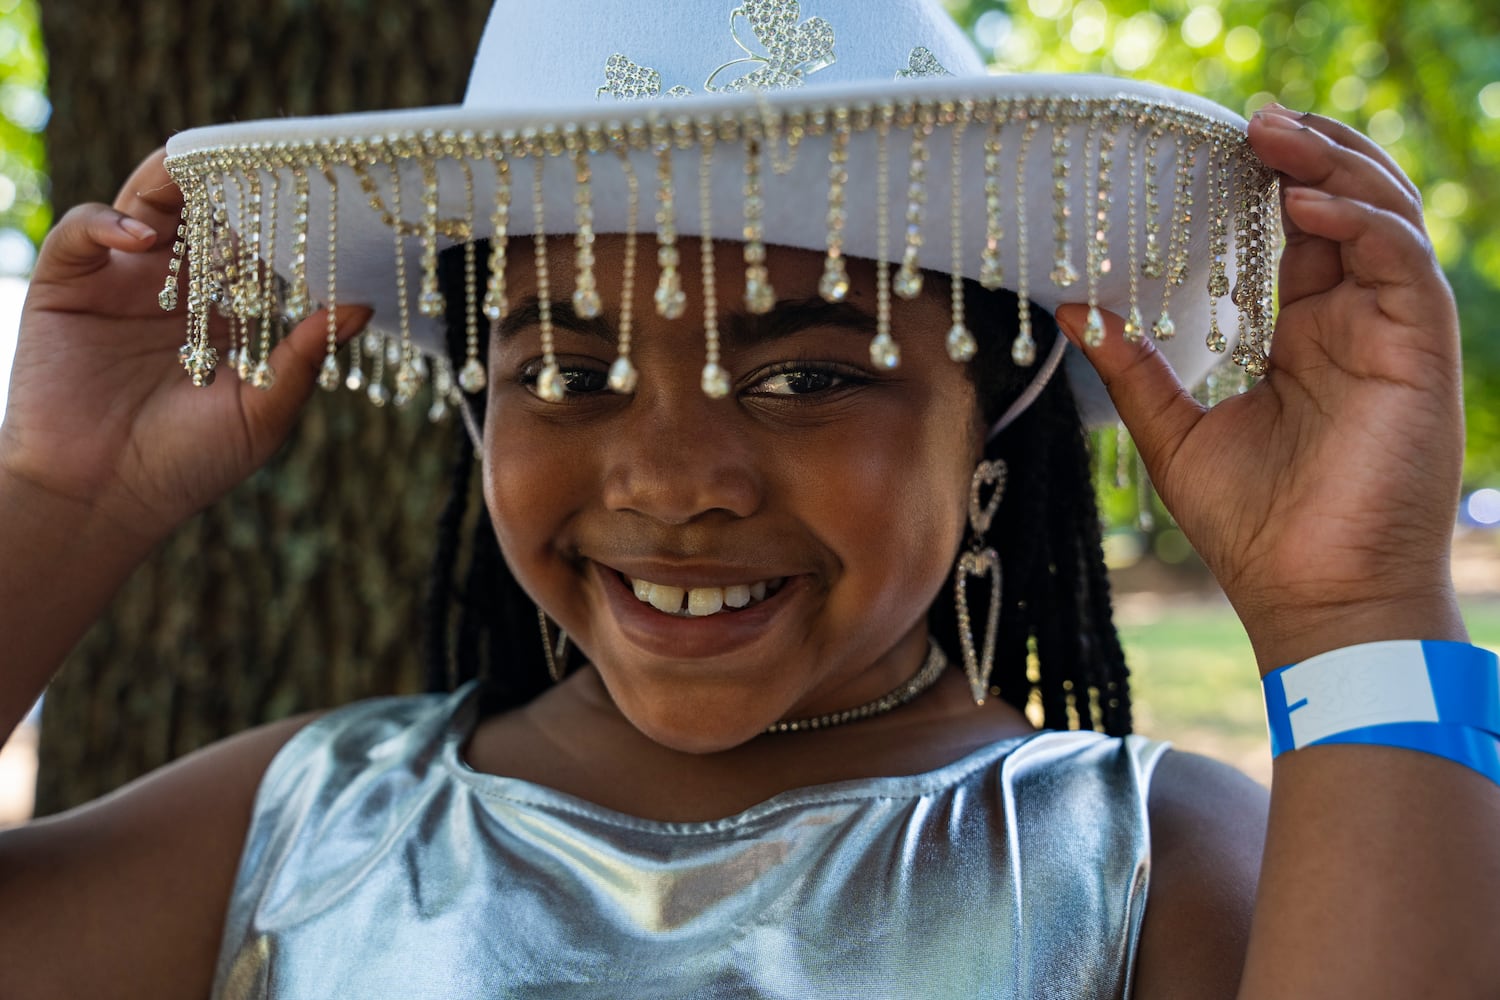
(755, 776)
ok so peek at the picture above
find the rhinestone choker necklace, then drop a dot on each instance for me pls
(923, 679)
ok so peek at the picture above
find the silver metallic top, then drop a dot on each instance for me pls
(379, 865)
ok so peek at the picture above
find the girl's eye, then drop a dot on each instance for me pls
(802, 380)
(576, 381)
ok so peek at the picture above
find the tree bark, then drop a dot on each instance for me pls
(304, 587)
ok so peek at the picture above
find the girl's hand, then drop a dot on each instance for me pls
(1323, 499)
(101, 414)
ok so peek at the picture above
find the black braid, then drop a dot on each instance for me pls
(1056, 599)
(439, 666)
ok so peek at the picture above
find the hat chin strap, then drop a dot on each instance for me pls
(472, 425)
(1038, 383)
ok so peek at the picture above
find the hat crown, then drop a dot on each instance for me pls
(567, 54)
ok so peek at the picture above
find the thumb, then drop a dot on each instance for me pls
(1155, 408)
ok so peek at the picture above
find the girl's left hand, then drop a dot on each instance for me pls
(1323, 499)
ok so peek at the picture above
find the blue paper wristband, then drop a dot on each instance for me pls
(1473, 748)
(1441, 698)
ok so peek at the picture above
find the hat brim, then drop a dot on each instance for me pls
(438, 163)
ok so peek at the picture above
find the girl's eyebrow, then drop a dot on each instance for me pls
(740, 329)
(789, 316)
(528, 313)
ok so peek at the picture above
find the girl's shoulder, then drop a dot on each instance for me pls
(1208, 829)
(138, 880)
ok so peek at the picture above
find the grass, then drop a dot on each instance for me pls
(1193, 675)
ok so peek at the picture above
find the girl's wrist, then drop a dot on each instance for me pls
(1294, 636)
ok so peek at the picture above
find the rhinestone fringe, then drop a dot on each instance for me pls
(239, 270)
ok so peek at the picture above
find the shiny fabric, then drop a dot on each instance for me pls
(379, 865)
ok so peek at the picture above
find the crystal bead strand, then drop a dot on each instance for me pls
(298, 300)
(264, 376)
(471, 377)
(834, 285)
(1164, 328)
(623, 377)
(328, 375)
(760, 294)
(586, 302)
(430, 301)
(908, 282)
(167, 298)
(549, 382)
(961, 344)
(402, 353)
(1064, 274)
(1218, 246)
(1023, 348)
(1101, 139)
(991, 269)
(1153, 265)
(715, 380)
(376, 392)
(671, 300)
(885, 353)
(442, 377)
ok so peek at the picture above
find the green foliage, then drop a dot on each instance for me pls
(24, 109)
(1423, 80)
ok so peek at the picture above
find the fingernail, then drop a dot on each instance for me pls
(137, 228)
(1278, 119)
(351, 319)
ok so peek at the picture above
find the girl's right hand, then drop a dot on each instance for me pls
(101, 414)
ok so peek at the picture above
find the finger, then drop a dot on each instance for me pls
(1353, 139)
(84, 238)
(151, 195)
(1151, 401)
(1307, 156)
(1310, 265)
(1382, 254)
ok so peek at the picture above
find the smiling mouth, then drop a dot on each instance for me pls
(701, 602)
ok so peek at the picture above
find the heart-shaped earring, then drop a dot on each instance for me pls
(980, 561)
(982, 512)
(977, 665)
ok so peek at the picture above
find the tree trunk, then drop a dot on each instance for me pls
(304, 587)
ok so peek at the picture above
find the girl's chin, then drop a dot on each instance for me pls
(689, 725)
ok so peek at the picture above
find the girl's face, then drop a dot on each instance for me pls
(726, 563)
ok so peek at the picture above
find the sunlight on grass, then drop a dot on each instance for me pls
(1193, 675)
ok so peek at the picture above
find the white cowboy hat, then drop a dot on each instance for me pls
(839, 126)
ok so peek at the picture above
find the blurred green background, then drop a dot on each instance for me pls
(1423, 80)
(24, 209)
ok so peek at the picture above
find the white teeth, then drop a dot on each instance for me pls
(664, 598)
(701, 601)
(705, 601)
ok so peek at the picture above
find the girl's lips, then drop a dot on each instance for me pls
(683, 636)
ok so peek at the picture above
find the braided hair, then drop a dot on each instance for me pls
(1057, 651)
